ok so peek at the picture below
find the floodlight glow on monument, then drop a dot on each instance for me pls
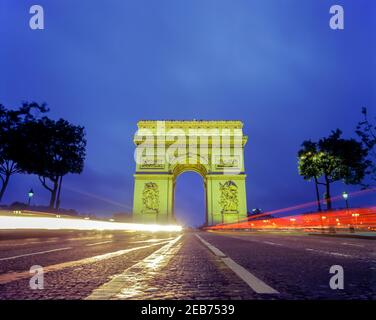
(219, 162)
(20, 222)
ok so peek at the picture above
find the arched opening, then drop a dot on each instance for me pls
(190, 199)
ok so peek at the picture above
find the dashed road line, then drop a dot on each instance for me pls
(253, 282)
(352, 244)
(273, 243)
(34, 253)
(98, 243)
(8, 243)
(260, 241)
(329, 253)
(14, 276)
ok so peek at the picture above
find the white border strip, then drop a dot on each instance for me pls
(255, 283)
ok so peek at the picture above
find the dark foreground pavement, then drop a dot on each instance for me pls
(141, 265)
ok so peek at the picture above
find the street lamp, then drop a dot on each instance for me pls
(324, 200)
(345, 196)
(30, 195)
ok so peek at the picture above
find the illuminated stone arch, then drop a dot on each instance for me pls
(201, 169)
(223, 173)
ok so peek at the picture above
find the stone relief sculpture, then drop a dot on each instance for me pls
(152, 163)
(229, 197)
(229, 162)
(150, 198)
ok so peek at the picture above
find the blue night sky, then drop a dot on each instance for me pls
(275, 65)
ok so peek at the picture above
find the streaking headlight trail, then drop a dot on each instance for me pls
(50, 223)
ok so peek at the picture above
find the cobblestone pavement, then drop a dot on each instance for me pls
(169, 266)
(195, 273)
(192, 273)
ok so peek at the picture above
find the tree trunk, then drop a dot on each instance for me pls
(53, 194)
(58, 193)
(327, 194)
(317, 195)
(4, 186)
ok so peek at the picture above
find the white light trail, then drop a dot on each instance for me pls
(21, 222)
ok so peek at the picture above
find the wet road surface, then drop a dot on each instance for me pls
(201, 265)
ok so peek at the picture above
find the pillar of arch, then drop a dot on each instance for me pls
(214, 149)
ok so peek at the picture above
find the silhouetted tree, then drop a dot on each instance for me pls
(333, 158)
(366, 130)
(54, 149)
(11, 142)
(309, 167)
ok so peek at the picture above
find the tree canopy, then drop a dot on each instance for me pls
(366, 130)
(11, 141)
(54, 149)
(35, 144)
(333, 158)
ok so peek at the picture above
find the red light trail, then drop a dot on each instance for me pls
(359, 218)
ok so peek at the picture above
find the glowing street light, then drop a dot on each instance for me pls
(322, 223)
(30, 195)
(356, 215)
(345, 196)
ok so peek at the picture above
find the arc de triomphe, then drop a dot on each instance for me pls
(166, 149)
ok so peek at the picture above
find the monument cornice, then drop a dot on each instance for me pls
(194, 124)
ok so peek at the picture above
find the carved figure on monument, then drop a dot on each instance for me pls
(229, 197)
(150, 198)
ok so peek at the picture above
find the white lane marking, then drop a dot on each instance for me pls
(273, 243)
(97, 243)
(215, 250)
(13, 276)
(8, 243)
(253, 282)
(12, 244)
(295, 240)
(259, 241)
(135, 280)
(34, 253)
(330, 253)
(152, 240)
(352, 244)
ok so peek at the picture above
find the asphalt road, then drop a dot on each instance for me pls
(202, 265)
(297, 266)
